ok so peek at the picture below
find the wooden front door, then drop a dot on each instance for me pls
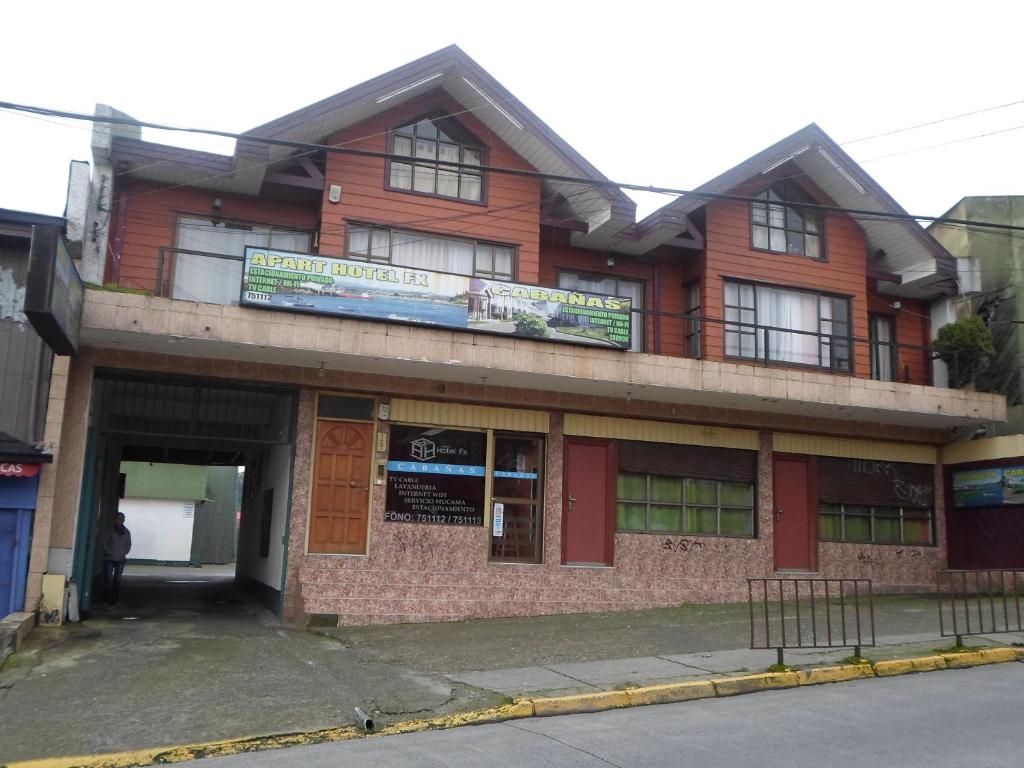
(341, 487)
(588, 505)
(795, 491)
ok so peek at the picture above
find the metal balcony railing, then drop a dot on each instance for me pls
(216, 277)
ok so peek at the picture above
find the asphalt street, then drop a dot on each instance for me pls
(952, 718)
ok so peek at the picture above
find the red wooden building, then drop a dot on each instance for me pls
(763, 403)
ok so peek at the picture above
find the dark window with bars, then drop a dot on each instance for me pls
(668, 504)
(780, 224)
(855, 523)
(428, 143)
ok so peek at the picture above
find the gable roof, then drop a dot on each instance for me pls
(926, 268)
(606, 210)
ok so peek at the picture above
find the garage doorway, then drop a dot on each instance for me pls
(202, 470)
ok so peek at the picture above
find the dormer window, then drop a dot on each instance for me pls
(780, 223)
(429, 143)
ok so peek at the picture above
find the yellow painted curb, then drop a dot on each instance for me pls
(836, 674)
(733, 686)
(894, 667)
(582, 702)
(523, 708)
(184, 752)
(929, 663)
(517, 710)
(998, 655)
(671, 692)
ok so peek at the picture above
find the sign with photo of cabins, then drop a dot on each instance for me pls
(301, 282)
(988, 487)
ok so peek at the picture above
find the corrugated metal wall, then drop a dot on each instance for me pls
(25, 361)
(814, 445)
(659, 432)
(214, 535)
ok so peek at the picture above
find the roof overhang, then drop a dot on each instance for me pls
(605, 210)
(900, 247)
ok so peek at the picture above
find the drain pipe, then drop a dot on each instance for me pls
(364, 720)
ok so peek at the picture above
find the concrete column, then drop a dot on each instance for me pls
(766, 499)
(301, 499)
(38, 563)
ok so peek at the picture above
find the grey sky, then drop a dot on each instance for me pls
(667, 93)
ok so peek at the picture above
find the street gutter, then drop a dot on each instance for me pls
(519, 709)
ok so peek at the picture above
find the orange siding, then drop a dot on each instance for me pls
(913, 328)
(664, 278)
(729, 254)
(511, 213)
(146, 215)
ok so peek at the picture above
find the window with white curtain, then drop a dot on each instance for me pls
(440, 254)
(883, 350)
(756, 315)
(218, 281)
(610, 285)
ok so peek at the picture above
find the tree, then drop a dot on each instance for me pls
(966, 348)
(529, 325)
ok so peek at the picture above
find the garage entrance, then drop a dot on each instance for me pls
(202, 471)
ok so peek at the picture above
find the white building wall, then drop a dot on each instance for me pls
(276, 474)
(161, 528)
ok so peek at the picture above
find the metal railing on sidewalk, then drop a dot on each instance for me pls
(787, 613)
(979, 602)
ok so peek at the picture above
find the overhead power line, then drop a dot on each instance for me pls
(542, 176)
(933, 122)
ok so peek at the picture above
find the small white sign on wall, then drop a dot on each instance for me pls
(188, 510)
(498, 519)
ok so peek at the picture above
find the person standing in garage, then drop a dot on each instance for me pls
(116, 546)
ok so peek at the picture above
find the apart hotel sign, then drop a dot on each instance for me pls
(321, 285)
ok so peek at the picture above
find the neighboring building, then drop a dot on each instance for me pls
(986, 528)
(462, 385)
(25, 364)
(179, 514)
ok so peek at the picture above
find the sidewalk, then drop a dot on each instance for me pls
(205, 663)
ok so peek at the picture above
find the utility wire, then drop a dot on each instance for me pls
(946, 143)
(600, 183)
(932, 122)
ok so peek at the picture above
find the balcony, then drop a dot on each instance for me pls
(766, 384)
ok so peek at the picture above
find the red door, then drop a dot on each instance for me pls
(588, 505)
(795, 491)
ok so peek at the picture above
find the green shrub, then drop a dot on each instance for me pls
(965, 347)
(529, 325)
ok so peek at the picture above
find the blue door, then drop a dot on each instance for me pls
(17, 502)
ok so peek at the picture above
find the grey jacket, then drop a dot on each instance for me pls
(116, 546)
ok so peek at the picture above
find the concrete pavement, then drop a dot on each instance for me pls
(959, 718)
(189, 659)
